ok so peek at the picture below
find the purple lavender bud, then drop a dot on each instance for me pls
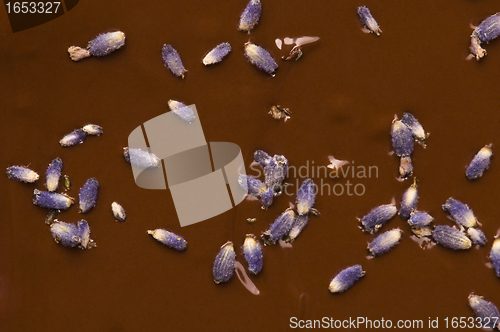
(106, 43)
(298, 226)
(53, 174)
(169, 239)
(173, 61)
(488, 29)
(416, 128)
(66, 234)
(88, 195)
(409, 200)
(141, 158)
(93, 129)
(50, 200)
(477, 236)
(252, 185)
(279, 228)
(85, 241)
(118, 211)
(479, 163)
(451, 238)
(217, 54)
(420, 219)
(378, 217)
(22, 174)
(495, 256)
(250, 16)
(368, 20)
(485, 310)
(102, 45)
(252, 250)
(385, 242)
(346, 278)
(266, 198)
(275, 173)
(402, 139)
(77, 136)
(405, 167)
(183, 111)
(262, 158)
(223, 268)
(306, 196)
(260, 58)
(460, 213)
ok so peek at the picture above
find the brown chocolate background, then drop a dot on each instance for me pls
(343, 94)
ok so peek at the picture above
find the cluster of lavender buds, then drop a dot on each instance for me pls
(403, 133)
(275, 171)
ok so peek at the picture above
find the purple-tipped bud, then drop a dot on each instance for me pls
(451, 238)
(252, 250)
(416, 128)
(479, 163)
(368, 21)
(50, 200)
(486, 311)
(173, 61)
(141, 158)
(250, 16)
(85, 241)
(88, 195)
(260, 58)
(106, 43)
(409, 201)
(22, 174)
(275, 173)
(93, 129)
(402, 138)
(495, 256)
(306, 196)
(223, 268)
(298, 226)
(385, 242)
(262, 158)
(345, 279)
(488, 29)
(279, 228)
(169, 239)
(378, 217)
(183, 111)
(118, 211)
(250, 184)
(53, 174)
(420, 219)
(77, 136)
(102, 45)
(460, 213)
(266, 198)
(66, 234)
(477, 236)
(217, 54)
